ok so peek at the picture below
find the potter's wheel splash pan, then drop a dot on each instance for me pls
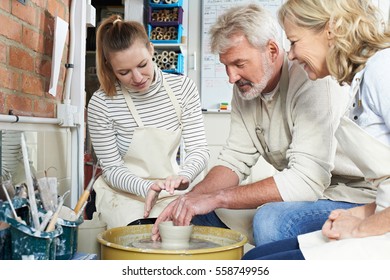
(116, 244)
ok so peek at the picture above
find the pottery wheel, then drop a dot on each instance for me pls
(193, 244)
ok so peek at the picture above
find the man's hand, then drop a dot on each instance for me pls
(183, 209)
(164, 216)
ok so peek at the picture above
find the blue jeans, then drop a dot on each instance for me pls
(282, 220)
(211, 220)
(287, 249)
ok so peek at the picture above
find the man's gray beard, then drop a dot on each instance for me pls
(254, 92)
(258, 89)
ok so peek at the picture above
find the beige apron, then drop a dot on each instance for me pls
(241, 220)
(151, 155)
(373, 159)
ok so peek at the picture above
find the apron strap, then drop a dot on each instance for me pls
(173, 100)
(355, 97)
(284, 81)
(133, 110)
(131, 106)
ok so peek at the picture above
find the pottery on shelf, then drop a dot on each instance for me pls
(174, 237)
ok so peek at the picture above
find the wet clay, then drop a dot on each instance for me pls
(174, 237)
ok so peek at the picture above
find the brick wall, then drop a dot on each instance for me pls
(26, 43)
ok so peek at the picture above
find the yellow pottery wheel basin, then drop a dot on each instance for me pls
(116, 244)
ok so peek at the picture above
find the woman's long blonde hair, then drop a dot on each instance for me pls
(357, 27)
(114, 35)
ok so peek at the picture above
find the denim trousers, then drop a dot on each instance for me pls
(287, 249)
(210, 220)
(282, 220)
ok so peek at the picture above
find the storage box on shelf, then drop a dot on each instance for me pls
(165, 16)
(165, 34)
(169, 61)
(165, 3)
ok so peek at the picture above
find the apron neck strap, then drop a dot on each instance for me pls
(284, 81)
(173, 99)
(131, 106)
(283, 88)
(133, 110)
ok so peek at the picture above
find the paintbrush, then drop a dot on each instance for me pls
(53, 221)
(46, 220)
(78, 214)
(51, 225)
(12, 206)
(83, 198)
(29, 182)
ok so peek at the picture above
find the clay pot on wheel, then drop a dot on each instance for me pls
(174, 237)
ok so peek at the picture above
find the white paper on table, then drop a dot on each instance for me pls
(61, 31)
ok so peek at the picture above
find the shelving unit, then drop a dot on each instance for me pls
(166, 31)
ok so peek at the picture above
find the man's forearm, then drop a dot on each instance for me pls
(219, 177)
(222, 183)
(249, 196)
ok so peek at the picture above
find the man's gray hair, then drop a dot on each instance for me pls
(253, 21)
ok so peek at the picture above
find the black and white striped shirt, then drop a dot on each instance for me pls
(111, 127)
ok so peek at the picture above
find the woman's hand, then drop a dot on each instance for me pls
(151, 198)
(341, 224)
(172, 183)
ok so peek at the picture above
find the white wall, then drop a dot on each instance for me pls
(384, 6)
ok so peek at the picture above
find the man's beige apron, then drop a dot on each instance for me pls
(372, 157)
(241, 220)
(151, 155)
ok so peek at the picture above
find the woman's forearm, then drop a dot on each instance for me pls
(376, 224)
(363, 211)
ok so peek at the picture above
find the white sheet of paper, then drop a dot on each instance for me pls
(61, 31)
